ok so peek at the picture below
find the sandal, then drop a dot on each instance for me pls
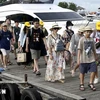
(9, 63)
(62, 81)
(38, 73)
(92, 87)
(34, 71)
(82, 87)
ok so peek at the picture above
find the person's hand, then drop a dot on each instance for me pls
(14, 42)
(20, 48)
(73, 53)
(51, 57)
(26, 49)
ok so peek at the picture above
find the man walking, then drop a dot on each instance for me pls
(16, 31)
(34, 40)
(87, 58)
(5, 42)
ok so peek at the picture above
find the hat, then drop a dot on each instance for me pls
(41, 22)
(69, 23)
(4, 24)
(88, 28)
(27, 24)
(98, 25)
(81, 29)
(55, 25)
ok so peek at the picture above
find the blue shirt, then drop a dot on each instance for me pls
(5, 39)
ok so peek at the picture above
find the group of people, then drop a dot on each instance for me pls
(81, 50)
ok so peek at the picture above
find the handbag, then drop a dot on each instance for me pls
(59, 46)
(97, 45)
(21, 57)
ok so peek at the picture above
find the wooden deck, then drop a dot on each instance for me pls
(71, 84)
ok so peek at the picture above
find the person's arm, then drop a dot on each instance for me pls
(43, 37)
(44, 40)
(20, 41)
(72, 44)
(27, 43)
(78, 56)
(80, 47)
(64, 37)
(10, 37)
(50, 48)
(94, 50)
(14, 35)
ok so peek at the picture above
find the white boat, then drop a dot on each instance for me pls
(49, 13)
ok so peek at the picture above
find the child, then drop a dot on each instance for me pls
(86, 58)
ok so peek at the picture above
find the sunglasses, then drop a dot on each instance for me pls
(56, 28)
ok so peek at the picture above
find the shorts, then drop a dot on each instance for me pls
(15, 45)
(35, 54)
(88, 67)
(5, 52)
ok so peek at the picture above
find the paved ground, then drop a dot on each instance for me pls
(71, 84)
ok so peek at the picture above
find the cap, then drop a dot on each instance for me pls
(41, 22)
(98, 25)
(27, 24)
(69, 23)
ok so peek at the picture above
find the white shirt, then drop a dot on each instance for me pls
(22, 38)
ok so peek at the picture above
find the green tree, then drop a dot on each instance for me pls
(72, 6)
(1, 1)
(63, 4)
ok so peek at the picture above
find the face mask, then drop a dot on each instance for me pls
(70, 27)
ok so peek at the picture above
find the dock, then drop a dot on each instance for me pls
(69, 88)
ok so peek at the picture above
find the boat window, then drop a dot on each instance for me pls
(59, 16)
(20, 17)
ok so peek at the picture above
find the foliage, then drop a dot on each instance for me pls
(72, 6)
(69, 5)
(63, 4)
(1, 1)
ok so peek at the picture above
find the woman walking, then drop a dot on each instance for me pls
(22, 42)
(56, 61)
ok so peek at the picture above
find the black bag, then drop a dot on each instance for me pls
(97, 45)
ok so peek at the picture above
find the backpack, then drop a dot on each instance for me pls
(69, 34)
(16, 32)
(59, 44)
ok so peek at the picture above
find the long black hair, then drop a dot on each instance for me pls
(25, 28)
